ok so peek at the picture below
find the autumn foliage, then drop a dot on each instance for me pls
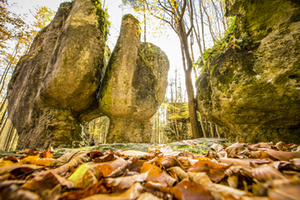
(240, 171)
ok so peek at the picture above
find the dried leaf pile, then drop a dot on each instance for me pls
(241, 171)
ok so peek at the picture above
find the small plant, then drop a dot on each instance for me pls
(229, 41)
(104, 23)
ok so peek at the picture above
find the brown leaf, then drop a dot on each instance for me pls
(148, 196)
(127, 181)
(235, 149)
(60, 171)
(121, 169)
(266, 173)
(157, 175)
(40, 184)
(167, 151)
(177, 173)
(186, 190)
(136, 154)
(185, 162)
(11, 158)
(167, 162)
(99, 187)
(255, 154)
(102, 170)
(53, 194)
(216, 146)
(281, 146)
(14, 192)
(105, 158)
(284, 156)
(115, 164)
(18, 169)
(231, 193)
(215, 171)
(290, 192)
(235, 161)
(204, 180)
(95, 154)
(132, 193)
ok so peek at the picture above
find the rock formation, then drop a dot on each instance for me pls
(254, 95)
(52, 91)
(134, 85)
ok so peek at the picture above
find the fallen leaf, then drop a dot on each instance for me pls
(235, 161)
(79, 172)
(115, 164)
(132, 193)
(177, 173)
(231, 193)
(157, 175)
(4, 163)
(148, 196)
(217, 147)
(265, 173)
(18, 169)
(95, 154)
(99, 187)
(105, 158)
(136, 154)
(47, 154)
(186, 190)
(234, 149)
(168, 151)
(127, 181)
(121, 169)
(102, 170)
(255, 154)
(15, 192)
(53, 194)
(284, 156)
(48, 182)
(290, 192)
(215, 171)
(204, 180)
(11, 158)
(87, 179)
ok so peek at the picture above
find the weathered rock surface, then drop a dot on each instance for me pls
(134, 85)
(52, 90)
(255, 95)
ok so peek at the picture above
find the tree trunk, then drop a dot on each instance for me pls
(202, 126)
(212, 130)
(206, 126)
(218, 133)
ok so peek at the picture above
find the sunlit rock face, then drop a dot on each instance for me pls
(134, 85)
(254, 94)
(52, 90)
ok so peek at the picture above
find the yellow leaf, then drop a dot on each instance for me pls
(79, 172)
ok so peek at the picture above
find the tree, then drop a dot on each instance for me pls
(180, 16)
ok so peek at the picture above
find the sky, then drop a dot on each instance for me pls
(168, 41)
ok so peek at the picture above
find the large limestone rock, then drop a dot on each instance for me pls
(255, 95)
(52, 91)
(134, 85)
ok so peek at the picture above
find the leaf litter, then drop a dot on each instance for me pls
(262, 171)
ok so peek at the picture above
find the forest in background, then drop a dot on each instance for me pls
(208, 25)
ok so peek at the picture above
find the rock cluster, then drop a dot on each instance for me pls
(254, 94)
(134, 85)
(52, 93)
(54, 85)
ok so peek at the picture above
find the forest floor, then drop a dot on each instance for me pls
(189, 169)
